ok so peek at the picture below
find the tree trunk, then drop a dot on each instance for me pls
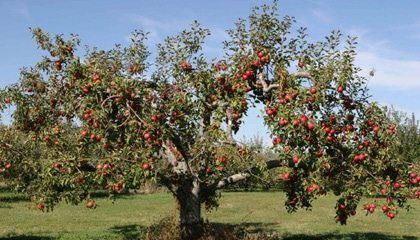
(191, 223)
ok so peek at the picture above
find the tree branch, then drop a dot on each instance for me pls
(268, 87)
(171, 156)
(303, 75)
(242, 176)
(229, 133)
(232, 179)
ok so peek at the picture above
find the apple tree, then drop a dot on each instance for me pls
(112, 119)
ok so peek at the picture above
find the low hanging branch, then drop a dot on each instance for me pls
(244, 175)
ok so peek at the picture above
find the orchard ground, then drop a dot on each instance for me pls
(130, 215)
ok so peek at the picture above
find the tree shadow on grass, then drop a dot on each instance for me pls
(348, 236)
(250, 230)
(167, 229)
(242, 229)
(3, 205)
(11, 197)
(26, 237)
(128, 232)
(267, 231)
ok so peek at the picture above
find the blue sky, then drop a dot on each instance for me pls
(388, 31)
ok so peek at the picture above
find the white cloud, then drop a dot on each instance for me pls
(152, 26)
(410, 31)
(158, 29)
(401, 108)
(358, 32)
(218, 34)
(321, 16)
(390, 72)
(392, 68)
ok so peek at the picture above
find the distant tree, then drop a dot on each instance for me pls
(408, 135)
(175, 123)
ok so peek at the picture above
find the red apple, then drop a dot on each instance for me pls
(282, 122)
(330, 138)
(57, 65)
(271, 111)
(397, 185)
(412, 175)
(154, 118)
(40, 206)
(147, 136)
(311, 125)
(303, 118)
(319, 153)
(295, 158)
(385, 208)
(285, 177)
(56, 165)
(8, 166)
(98, 137)
(277, 140)
(145, 166)
(222, 159)
(312, 90)
(84, 133)
(99, 167)
(333, 119)
(90, 204)
(185, 66)
(117, 187)
(92, 136)
(390, 215)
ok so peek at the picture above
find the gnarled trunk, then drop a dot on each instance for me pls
(191, 223)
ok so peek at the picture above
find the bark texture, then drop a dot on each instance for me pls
(191, 223)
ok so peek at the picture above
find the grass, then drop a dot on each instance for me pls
(257, 211)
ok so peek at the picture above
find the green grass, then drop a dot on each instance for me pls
(264, 211)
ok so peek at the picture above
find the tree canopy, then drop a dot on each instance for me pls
(110, 119)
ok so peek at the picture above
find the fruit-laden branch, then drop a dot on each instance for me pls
(244, 175)
(269, 87)
(11, 148)
(302, 75)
